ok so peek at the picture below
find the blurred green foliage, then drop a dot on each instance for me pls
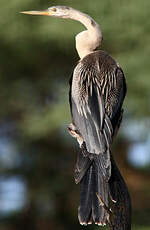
(37, 57)
(30, 44)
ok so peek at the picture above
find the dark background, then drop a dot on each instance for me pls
(37, 155)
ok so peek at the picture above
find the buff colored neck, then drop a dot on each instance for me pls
(87, 41)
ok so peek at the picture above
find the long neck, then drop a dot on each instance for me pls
(87, 41)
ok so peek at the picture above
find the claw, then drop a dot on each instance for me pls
(75, 133)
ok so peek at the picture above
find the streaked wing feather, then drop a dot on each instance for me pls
(98, 90)
(82, 164)
(95, 128)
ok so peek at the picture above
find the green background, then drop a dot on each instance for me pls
(37, 57)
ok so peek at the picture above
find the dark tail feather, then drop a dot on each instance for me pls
(85, 207)
(91, 184)
(100, 187)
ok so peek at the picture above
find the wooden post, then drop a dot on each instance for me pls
(120, 212)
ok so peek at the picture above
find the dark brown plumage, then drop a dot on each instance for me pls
(97, 92)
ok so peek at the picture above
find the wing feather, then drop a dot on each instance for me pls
(97, 94)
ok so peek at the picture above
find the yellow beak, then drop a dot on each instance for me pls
(41, 12)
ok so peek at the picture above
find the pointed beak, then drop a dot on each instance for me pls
(41, 12)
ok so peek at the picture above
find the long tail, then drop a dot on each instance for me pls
(88, 172)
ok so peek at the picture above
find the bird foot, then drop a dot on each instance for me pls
(75, 133)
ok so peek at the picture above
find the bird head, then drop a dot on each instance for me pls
(54, 11)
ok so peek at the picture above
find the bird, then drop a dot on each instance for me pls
(97, 91)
